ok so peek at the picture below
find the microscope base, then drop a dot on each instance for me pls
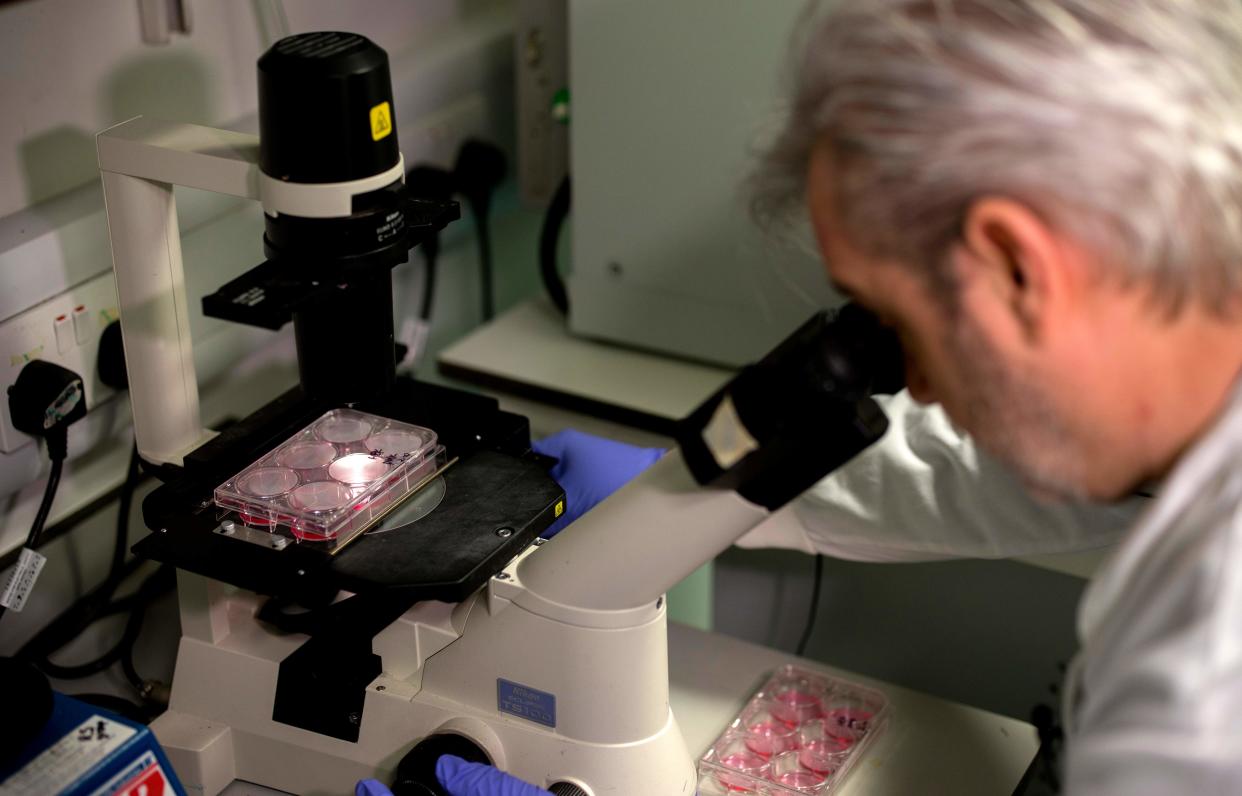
(220, 727)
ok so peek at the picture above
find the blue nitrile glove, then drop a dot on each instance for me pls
(590, 469)
(460, 778)
(371, 787)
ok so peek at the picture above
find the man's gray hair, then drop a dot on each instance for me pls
(1119, 122)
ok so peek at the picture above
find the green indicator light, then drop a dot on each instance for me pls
(560, 106)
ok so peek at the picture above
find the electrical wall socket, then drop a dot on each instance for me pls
(541, 69)
(64, 330)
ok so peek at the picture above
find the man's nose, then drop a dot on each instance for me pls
(917, 383)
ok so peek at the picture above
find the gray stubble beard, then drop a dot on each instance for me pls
(1012, 418)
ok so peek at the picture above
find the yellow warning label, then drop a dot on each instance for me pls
(560, 508)
(381, 121)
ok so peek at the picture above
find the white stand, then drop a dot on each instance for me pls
(580, 619)
(575, 633)
(140, 160)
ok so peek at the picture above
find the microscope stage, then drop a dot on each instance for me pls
(491, 499)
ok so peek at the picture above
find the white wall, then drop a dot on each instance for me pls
(69, 68)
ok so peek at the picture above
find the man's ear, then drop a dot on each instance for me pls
(1009, 251)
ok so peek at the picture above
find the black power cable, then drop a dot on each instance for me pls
(486, 268)
(162, 581)
(814, 609)
(125, 502)
(478, 171)
(99, 604)
(549, 238)
(431, 256)
(116, 704)
(45, 506)
(44, 401)
(154, 694)
(41, 656)
(480, 168)
(95, 604)
(429, 182)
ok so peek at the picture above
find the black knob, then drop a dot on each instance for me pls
(416, 773)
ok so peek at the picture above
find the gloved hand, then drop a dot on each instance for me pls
(460, 778)
(590, 469)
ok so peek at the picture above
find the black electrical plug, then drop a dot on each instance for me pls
(44, 401)
(111, 359)
(479, 169)
(429, 182)
(478, 172)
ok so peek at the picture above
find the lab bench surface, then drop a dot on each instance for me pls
(930, 746)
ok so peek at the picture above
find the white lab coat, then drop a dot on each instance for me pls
(1155, 695)
(1154, 698)
(924, 492)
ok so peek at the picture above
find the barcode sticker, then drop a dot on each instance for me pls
(22, 579)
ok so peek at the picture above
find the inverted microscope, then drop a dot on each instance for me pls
(361, 581)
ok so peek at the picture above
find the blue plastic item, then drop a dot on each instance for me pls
(590, 469)
(460, 778)
(371, 787)
(84, 750)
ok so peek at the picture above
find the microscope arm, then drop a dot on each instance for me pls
(140, 161)
(640, 542)
(772, 432)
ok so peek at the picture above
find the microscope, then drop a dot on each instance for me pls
(442, 624)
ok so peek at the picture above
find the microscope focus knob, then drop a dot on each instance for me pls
(416, 773)
(567, 789)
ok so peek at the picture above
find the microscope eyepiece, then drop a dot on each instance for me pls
(802, 411)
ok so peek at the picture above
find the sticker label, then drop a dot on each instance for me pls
(65, 403)
(70, 758)
(381, 121)
(22, 579)
(559, 509)
(726, 436)
(143, 777)
(526, 702)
